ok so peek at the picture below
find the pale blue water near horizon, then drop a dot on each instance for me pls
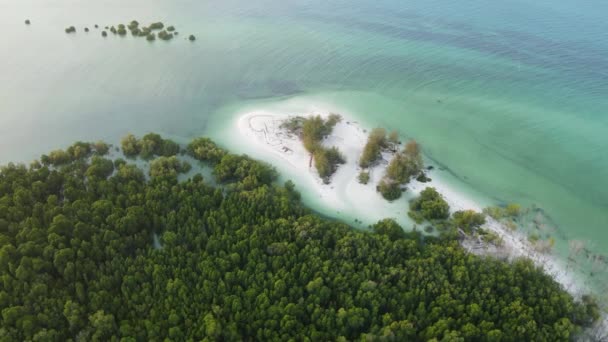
(510, 96)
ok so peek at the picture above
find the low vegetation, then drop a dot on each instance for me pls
(312, 131)
(150, 32)
(372, 152)
(404, 165)
(363, 177)
(430, 206)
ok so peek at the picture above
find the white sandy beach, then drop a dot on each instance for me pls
(260, 131)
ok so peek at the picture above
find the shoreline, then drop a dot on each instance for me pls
(260, 130)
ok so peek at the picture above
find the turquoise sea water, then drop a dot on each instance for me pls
(510, 97)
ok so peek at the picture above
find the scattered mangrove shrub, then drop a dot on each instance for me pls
(389, 190)
(164, 35)
(372, 152)
(70, 29)
(430, 205)
(468, 220)
(156, 26)
(363, 177)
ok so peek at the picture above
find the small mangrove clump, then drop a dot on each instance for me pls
(405, 165)
(27, 21)
(164, 35)
(157, 26)
(121, 30)
(363, 177)
(148, 32)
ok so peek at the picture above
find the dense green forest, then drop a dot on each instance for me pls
(241, 261)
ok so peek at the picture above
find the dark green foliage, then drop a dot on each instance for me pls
(156, 26)
(363, 177)
(77, 263)
(242, 169)
(78, 151)
(149, 146)
(170, 28)
(468, 220)
(192, 38)
(430, 205)
(205, 150)
(130, 145)
(101, 148)
(164, 35)
(327, 161)
(70, 29)
(86, 29)
(27, 21)
(153, 144)
(104, 34)
(168, 167)
(121, 30)
(404, 165)
(150, 37)
(313, 130)
(389, 228)
(389, 190)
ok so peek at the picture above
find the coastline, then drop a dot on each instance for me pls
(260, 130)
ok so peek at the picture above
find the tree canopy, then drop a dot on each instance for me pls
(241, 261)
